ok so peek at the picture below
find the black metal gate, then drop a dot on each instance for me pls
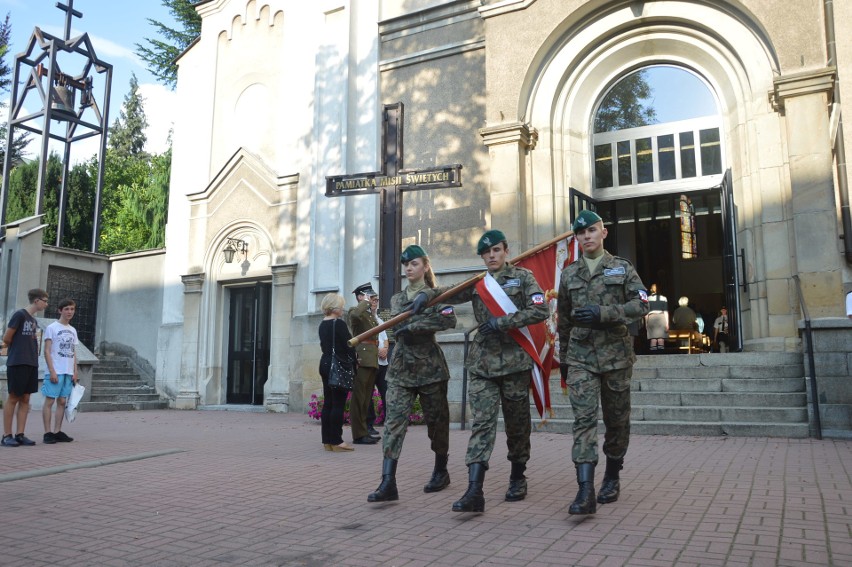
(82, 287)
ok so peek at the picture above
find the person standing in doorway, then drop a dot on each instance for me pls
(361, 319)
(599, 296)
(60, 355)
(418, 368)
(720, 331)
(21, 337)
(506, 300)
(657, 320)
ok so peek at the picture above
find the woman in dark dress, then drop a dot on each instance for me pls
(333, 333)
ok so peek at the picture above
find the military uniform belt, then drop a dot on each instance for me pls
(417, 339)
(370, 342)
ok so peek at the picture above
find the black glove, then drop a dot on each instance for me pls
(590, 314)
(400, 332)
(489, 326)
(563, 372)
(419, 302)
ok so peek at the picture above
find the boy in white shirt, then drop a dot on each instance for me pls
(60, 342)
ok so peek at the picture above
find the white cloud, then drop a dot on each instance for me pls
(159, 110)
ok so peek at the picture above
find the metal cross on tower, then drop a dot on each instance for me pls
(70, 12)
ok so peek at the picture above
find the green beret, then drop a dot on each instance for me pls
(411, 253)
(489, 239)
(585, 219)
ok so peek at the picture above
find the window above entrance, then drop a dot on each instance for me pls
(659, 125)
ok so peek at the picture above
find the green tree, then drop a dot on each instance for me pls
(20, 140)
(160, 54)
(80, 189)
(135, 208)
(623, 106)
(127, 134)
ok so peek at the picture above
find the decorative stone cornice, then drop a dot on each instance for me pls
(510, 133)
(192, 282)
(801, 84)
(284, 274)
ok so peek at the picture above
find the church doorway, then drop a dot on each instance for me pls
(248, 343)
(677, 241)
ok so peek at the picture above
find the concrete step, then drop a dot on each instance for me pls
(742, 394)
(116, 386)
(690, 428)
(123, 406)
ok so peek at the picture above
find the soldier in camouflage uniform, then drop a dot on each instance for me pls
(417, 368)
(500, 372)
(598, 297)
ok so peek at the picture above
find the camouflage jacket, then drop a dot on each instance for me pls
(360, 320)
(417, 359)
(616, 287)
(497, 354)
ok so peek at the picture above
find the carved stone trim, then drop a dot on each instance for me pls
(511, 133)
(192, 283)
(801, 84)
(284, 274)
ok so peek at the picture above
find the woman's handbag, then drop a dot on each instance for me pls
(341, 374)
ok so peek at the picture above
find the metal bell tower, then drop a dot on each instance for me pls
(68, 102)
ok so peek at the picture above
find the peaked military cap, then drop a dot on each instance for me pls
(411, 253)
(489, 239)
(365, 289)
(585, 219)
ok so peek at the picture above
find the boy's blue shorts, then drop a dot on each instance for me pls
(62, 388)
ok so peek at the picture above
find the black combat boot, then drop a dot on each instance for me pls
(517, 483)
(386, 491)
(585, 501)
(473, 500)
(610, 486)
(440, 477)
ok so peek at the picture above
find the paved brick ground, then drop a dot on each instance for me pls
(228, 488)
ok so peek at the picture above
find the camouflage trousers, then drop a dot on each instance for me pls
(362, 396)
(487, 396)
(436, 412)
(614, 391)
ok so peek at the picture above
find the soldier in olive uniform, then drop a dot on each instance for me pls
(417, 368)
(500, 372)
(599, 296)
(361, 319)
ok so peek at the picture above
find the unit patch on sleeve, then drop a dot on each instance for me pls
(643, 295)
(447, 311)
(538, 299)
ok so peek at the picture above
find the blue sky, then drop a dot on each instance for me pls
(114, 26)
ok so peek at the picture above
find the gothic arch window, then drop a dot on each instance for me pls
(658, 125)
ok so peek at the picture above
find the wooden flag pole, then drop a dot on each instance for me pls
(454, 290)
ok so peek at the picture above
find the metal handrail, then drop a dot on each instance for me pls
(809, 338)
(464, 378)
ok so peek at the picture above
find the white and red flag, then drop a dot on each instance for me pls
(539, 340)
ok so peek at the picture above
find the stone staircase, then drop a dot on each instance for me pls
(752, 394)
(117, 386)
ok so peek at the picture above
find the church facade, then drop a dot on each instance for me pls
(735, 201)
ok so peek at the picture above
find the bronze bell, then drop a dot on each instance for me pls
(63, 100)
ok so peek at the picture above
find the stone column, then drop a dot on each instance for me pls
(510, 205)
(281, 390)
(803, 99)
(188, 396)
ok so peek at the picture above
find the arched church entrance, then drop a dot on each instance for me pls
(658, 183)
